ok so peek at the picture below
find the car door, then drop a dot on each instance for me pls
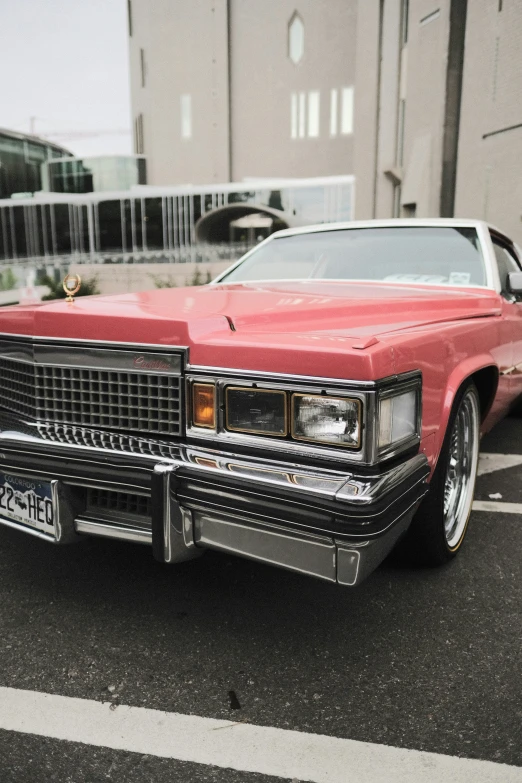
(508, 261)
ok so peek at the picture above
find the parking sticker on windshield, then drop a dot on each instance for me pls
(459, 278)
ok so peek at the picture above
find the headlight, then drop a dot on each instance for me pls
(398, 417)
(333, 420)
(204, 405)
(256, 411)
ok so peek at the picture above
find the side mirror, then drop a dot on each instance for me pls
(515, 282)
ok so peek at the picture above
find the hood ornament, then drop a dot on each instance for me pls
(71, 286)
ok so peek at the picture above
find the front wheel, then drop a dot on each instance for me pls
(440, 524)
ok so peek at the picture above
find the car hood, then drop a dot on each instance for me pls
(247, 319)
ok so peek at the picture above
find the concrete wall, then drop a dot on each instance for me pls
(489, 177)
(366, 114)
(263, 78)
(391, 68)
(427, 53)
(185, 53)
(130, 278)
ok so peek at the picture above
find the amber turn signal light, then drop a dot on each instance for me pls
(204, 405)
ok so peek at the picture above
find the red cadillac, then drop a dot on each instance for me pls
(319, 402)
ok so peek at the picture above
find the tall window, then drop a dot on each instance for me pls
(399, 153)
(313, 114)
(139, 143)
(186, 116)
(296, 39)
(347, 111)
(142, 66)
(333, 113)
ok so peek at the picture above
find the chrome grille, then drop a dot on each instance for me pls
(122, 502)
(112, 400)
(120, 509)
(112, 441)
(127, 390)
(17, 387)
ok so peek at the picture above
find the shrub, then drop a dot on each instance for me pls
(7, 280)
(89, 287)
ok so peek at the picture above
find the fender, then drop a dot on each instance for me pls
(460, 373)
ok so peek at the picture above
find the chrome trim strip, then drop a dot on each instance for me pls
(291, 377)
(24, 338)
(362, 519)
(93, 527)
(142, 362)
(370, 491)
(94, 357)
(305, 553)
(26, 529)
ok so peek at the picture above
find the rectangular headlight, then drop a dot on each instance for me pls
(332, 420)
(397, 418)
(256, 411)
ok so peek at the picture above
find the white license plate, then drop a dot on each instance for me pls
(27, 502)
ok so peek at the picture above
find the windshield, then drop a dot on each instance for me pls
(423, 254)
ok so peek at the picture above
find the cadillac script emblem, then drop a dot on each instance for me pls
(71, 286)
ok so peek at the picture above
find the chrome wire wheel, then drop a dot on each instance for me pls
(461, 470)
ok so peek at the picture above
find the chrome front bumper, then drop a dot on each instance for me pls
(331, 524)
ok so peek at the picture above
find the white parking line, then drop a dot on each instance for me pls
(494, 505)
(489, 463)
(240, 746)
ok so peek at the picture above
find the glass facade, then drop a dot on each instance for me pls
(166, 224)
(85, 175)
(21, 159)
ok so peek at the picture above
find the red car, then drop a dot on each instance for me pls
(319, 402)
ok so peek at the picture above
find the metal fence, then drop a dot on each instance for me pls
(157, 225)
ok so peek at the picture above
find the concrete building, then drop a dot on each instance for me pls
(418, 98)
(22, 157)
(489, 177)
(223, 90)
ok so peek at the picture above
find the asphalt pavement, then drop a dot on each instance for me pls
(428, 660)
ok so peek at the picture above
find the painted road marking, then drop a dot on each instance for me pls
(494, 505)
(489, 463)
(240, 746)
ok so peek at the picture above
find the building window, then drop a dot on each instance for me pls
(139, 143)
(313, 114)
(293, 115)
(186, 116)
(296, 39)
(404, 21)
(347, 111)
(399, 152)
(333, 113)
(397, 200)
(142, 66)
(129, 16)
(302, 114)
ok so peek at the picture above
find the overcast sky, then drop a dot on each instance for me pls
(65, 62)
